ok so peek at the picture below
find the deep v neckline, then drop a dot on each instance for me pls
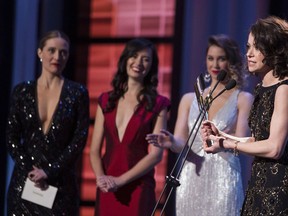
(127, 125)
(222, 107)
(45, 133)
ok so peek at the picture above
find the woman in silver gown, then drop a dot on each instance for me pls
(211, 184)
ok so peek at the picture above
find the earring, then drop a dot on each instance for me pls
(40, 59)
(207, 77)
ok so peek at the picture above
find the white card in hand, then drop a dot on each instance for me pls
(36, 195)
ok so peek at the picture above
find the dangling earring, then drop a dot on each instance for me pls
(40, 59)
(207, 77)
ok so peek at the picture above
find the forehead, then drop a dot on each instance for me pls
(250, 38)
(216, 51)
(145, 52)
(57, 42)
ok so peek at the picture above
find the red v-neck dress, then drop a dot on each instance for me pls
(138, 197)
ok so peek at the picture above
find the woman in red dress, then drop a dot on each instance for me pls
(125, 173)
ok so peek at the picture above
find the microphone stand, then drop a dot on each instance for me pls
(172, 180)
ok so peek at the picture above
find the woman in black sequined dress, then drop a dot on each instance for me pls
(47, 131)
(267, 56)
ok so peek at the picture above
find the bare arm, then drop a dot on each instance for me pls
(175, 142)
(272, 147)
(96, 144)
(244, 104)
(181, 130)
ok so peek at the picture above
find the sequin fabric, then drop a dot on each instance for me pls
(211, 184)
(267, 192)
(55, 152)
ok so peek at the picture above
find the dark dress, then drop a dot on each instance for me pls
(267, 193)
(55, 152)
(138, 197)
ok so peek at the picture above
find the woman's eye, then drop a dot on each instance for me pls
(64, 53)
(146, 59)
(51, 50)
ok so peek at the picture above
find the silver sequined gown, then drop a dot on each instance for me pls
(211, 184)
(55, 152)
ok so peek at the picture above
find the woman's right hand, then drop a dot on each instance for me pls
(106, 183)
(208, 128)
(163, 140)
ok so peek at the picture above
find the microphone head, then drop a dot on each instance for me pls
(231, 84)
(201, 82)
(221, 76)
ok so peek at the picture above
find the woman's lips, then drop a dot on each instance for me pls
(215, 71)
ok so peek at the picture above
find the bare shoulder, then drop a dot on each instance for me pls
(245, 99)
(186, 101)
(282, 92)
(245, 96)
(188, 98)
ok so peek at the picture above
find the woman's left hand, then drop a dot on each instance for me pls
(214, 145)
(38, 176)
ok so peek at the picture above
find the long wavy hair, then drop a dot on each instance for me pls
(119, 83)
(233, 55)
(271, 38)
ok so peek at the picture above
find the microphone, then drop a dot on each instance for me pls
(199, 87)
(220, 77)
(200, 83)
(231, 84)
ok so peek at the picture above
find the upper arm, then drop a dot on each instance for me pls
(161, 123)
(244, 104)
(181, 128)
(279, 121)
(98, 131)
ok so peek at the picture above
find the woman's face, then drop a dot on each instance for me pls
(138, 65)
(54, 55)
(216, 61)
(254, 57)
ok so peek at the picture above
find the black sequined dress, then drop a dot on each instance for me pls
(55, 152)
(267, 193)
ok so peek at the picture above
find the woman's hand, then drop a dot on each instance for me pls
(212, 141)
(209, 128)
(214, 145)
(107, 183)
(38, 176)
(163, 140)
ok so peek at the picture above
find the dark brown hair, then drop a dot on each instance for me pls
(149, 92)
(271, 38)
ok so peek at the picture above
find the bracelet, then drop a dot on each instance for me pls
(235, 150)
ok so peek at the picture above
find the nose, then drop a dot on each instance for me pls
(249, 53)
(139, 61)
(215, 64)
(57, 55)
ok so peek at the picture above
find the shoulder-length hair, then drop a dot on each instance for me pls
(233, 55)
(271, 38)
(119, 83)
